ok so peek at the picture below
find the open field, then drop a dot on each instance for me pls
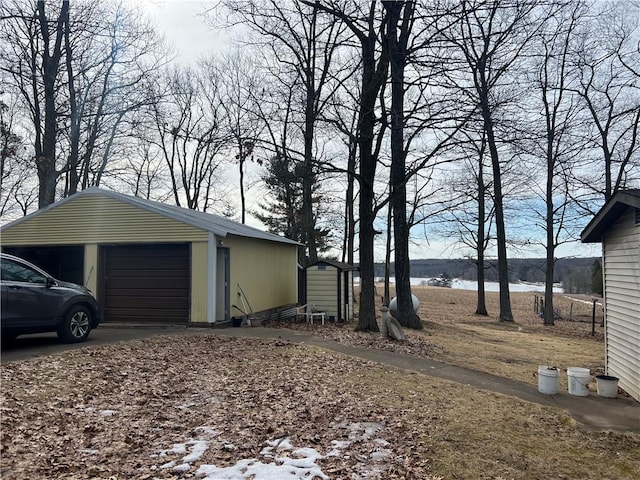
(505, 349)
(210, 407)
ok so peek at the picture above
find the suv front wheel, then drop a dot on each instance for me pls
(76, 325)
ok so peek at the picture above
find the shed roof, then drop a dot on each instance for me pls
(609, 213)
(339, 265)
(215, 224)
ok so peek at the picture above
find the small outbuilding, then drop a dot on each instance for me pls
(617, 227)
(150, 262)
(329, 288)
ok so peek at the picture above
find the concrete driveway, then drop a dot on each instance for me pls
(31, 346)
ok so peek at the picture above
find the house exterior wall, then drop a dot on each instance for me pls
(621, 253)
(266, 271)
(322, 289)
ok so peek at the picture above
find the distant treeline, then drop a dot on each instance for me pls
(574, 273)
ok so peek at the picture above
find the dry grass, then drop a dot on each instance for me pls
(512, 350)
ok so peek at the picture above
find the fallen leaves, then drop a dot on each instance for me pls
(115, 410)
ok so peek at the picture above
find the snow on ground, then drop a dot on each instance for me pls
(494, 287)
(280, 459)
(473, 285)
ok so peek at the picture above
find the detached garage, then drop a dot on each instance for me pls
(149, 262)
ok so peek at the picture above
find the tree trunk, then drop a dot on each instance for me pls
(481, 306)
(550, 246)
(503, 267)
(46, 161)
(398, 200)
(308, 179)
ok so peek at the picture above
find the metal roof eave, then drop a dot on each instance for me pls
(608, 214)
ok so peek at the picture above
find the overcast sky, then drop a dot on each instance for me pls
(183, 25)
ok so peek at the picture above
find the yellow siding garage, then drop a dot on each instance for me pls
(220, 255)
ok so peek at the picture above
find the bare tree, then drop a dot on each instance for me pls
(17, 190)
(33, 57)
(80, 70)
(239, 79)
(189, 137)
(303, 45)
(558, 140)
(365, 23)
(107, 66)
(609, 87)
(491, 37)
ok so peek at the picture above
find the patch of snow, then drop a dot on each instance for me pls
(198, 449)
(182, 468)
(381, 455)
(473, 285)
(280, 460)
(208, 430)
(178, 448)
(107, 413)
(285, 468)
(274, 445)
(88, 451)
(338, 446)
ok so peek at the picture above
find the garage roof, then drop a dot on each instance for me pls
(609, 213)
(219, 226)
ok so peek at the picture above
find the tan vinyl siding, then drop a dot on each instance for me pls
(622, 294)
(266, 271)
(91, 268)
(199, 282)
(103, 220)
(322, 289)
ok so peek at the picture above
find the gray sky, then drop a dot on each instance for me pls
(183, 25)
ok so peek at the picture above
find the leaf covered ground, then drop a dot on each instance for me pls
(214, 407)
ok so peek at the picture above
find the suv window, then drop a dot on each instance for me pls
(15, 272)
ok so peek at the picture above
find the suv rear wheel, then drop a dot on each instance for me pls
(76, 325)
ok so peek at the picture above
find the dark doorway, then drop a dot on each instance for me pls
(62, 262)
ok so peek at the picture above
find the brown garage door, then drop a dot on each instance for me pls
(145, 283)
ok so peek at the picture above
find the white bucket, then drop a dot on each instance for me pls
(578, 379)
(607, 386)
(548, 379)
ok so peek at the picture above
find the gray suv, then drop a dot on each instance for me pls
(35, 302)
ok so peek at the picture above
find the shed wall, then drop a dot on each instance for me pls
(322, 289)
(621, 251)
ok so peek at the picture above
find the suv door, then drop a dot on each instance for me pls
(27, 298)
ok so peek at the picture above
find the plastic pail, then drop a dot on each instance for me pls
(548, 379)
(607, 386)
(578, 379)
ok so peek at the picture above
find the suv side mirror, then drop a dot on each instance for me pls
(51, 282)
